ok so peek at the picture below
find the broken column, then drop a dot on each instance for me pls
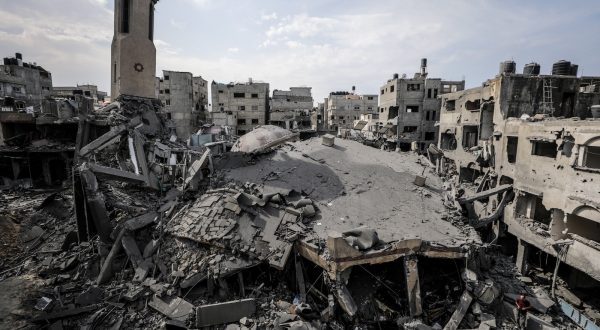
(413, 287)
(522, 256)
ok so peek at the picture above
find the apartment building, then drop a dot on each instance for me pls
(409, 107)
(69, 92)
(241, 106)
(343, 108)
(23, 84)
(291, 109)
(525, 152)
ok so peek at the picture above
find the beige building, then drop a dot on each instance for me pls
(133, 55)
(526, 150)
(176, 92)
(343, 108)
(69, 92)
(291, 109)
(410, 106)
(200, 86)
(241, 106)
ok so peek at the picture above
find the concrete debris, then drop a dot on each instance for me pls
(226, 312)
(279, 234)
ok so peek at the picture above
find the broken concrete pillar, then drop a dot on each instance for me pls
(413, 287)
(339, 248)
(459, 313)
(522, 256)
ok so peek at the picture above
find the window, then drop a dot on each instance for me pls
(429, 136)
(391, 88)
(473, 105)
(167, 102)
(428, 93)
(409, 129)
(356, 107)
(382, 92)
(370, 98)
(241, 107)
(241, 121)
(151, 22)
(239, 95)
(435, 93)
(166, 77)
(470, 136)
(544, 148)
(427, 115)
(512, 142)
(448, 141)
(255, 108)
(413, 87)
(254, 96)
(115, 73)
(167, 91)
(254, 121)
(450, 105)
(591, 157)
(126, 4)
(220, 91)
(412, 108)
(370, 108)
(433, 115)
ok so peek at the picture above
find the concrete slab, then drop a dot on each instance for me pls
(226, 312)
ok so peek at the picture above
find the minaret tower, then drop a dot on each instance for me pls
(133, 55)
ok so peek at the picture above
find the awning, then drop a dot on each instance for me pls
(360, 125)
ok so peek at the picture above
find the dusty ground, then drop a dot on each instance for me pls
(16, 293)
(9, 237)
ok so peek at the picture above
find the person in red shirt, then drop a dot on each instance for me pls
(523, 305)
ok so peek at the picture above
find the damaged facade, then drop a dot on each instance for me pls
(240, 106)
(524, 148)
(343, 108)
(291, 109)
(69, 92)
(409, 108)
(23, 86)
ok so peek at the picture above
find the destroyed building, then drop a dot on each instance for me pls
(291, 109)
(184, 101)
(410, 107)
(343, 108)
(69, 92)
(23, 86)
(241, 106)
(317, 117)
(524, 147)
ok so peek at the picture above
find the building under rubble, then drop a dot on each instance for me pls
(534, 139)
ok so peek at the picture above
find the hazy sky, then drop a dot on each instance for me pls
(329, 45)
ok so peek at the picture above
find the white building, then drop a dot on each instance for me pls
(343, 108)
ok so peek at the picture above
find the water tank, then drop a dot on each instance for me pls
(531, 69)
(396, 76)
(508, 67)
(423, 62)
(574, 68)
(561, 68)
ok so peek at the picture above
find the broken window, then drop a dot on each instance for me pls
(241, 121)
(429, 136)
(448, 141)
(254, 96)
(393, 112)
(409, 129)
(167, 91)
(382, 92)
(412, 108)
(468, 174)
(487, 121)
(531, 206)
(544, 148)
(473, 105)
(254, 121)
(239, 95)
(450, 105)
(391, 88)
(591, 157)
(567, 146)
(585, 222)
(470, 135)
(512, 142)
(125, 9)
